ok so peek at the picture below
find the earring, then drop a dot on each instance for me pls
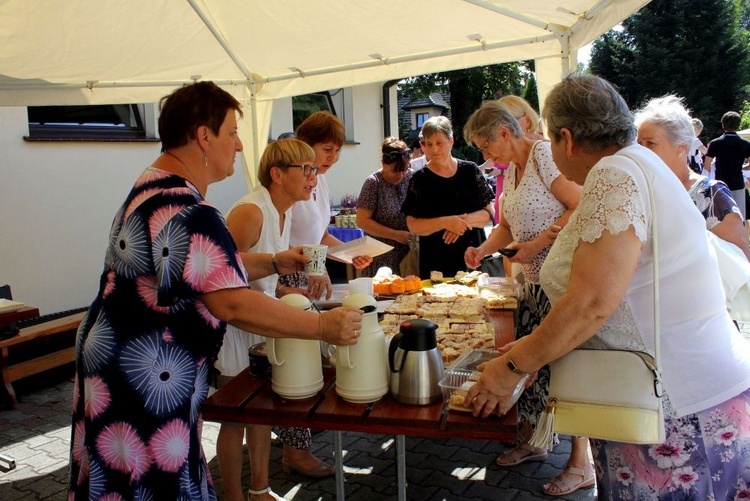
(205, 159)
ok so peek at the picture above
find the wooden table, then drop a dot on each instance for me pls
(247, 399)
(36, 349)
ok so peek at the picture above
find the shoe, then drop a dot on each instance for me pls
(320, 470)
(267, 490)
(564, 482)
(521, 454)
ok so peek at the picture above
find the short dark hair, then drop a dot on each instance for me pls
(321, 127)
(730, 121)
(190, 107)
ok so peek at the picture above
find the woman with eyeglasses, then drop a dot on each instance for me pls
(379, 204)
(310, 218)
(448, 203)
(537, 202)
(325, 133)
(260, 222)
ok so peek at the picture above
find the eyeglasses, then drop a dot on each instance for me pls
(395, 156)
(484, 147)
(307, 169)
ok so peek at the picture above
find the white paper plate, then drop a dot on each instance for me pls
(7, 306)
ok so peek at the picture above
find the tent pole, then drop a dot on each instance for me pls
(254, 123)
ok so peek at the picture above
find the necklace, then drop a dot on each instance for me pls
(178, 159)
(188, 174)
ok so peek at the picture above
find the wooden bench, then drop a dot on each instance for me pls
(19, 354)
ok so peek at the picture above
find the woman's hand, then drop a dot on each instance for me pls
(506, 347)
(402, 237)
(341, 326)
(473, 257)
(318, 285)
(361, 262)
(494, 389)
(456, 224)
(291, 261)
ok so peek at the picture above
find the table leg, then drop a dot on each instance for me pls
(339, 463)
(401, 466)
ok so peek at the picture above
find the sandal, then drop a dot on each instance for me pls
(563, 483)
(521, 454)
(260, 492)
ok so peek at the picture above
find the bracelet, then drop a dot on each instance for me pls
(275, 266)
(513, 368)
(321, 325)
(489, 212)
(279, 285)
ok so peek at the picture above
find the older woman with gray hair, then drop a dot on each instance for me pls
(448, 203)
(665, 128)
(599, 278)
(537, 202)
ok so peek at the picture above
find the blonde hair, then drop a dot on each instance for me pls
(520, 108)
(282, 154)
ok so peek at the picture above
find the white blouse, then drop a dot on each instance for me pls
(704, 359)
(310, 218)
(531, 207)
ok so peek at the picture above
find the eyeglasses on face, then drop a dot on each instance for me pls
(484, 147)
(395, 156)
(307, 169)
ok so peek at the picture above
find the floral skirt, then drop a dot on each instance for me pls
(706, 456)
(532, 309)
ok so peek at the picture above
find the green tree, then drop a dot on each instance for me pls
(467, 89)
(697, 49)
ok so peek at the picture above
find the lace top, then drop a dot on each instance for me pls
(530, 208)
(696, 333)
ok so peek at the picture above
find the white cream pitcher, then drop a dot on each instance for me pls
(362, 369)
(296, 367)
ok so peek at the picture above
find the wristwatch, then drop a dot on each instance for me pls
(513, 368)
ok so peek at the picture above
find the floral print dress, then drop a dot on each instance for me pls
(145, 348)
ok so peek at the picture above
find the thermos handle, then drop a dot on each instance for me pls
(344, 356)
(392, 351)
(271, 352)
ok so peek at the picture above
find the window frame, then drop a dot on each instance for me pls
(139, 127)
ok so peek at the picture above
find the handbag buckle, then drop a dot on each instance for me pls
(658, 390)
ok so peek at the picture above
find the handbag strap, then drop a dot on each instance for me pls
(655, 247)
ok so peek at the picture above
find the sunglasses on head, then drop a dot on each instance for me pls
(395, 156)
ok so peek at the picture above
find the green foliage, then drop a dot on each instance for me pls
(467, 89)
(745, 114)
(698, 49)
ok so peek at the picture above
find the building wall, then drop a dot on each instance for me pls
(57, 200)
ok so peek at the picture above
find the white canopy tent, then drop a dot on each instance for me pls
(58, 52)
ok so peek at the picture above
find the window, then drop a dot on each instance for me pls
(306, 105)
(115, 122)
(339, 102)
(421, 119)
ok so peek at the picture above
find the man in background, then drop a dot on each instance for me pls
(730, 152)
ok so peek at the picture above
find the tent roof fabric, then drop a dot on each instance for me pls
(105, 51)
(136, 51)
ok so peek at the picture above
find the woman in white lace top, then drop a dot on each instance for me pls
(598, 276)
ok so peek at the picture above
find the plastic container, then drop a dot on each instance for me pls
(465, 366)
(504, 286)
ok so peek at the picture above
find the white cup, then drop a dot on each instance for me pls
(361, 285)
(317, 264)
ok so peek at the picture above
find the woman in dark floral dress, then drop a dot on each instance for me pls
(379, 205)
(172, 279)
